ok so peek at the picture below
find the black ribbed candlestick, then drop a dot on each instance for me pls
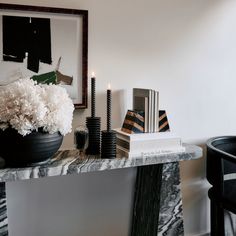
(108, 110)
(108, 144)
(93, 86)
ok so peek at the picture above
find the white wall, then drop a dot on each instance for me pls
(185, 49)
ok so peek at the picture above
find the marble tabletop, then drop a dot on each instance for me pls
(67, 162)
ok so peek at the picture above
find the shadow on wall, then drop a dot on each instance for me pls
(195, 188)
(195, 169)
(120, 103)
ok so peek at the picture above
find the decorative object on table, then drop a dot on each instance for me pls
(108, 135)
(144, 144)
(131, 143)
(134, 122)
(33, 120)
(163, 121)
(33, 149)
(147, 100)
(93, 123)
(81, 138)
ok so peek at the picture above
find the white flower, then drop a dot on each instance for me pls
(27, 106)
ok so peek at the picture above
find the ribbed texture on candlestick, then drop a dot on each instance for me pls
(93, 87)
(94, 127)
(108, 144)
(108, 110)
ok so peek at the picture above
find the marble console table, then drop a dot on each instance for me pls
(157, 207)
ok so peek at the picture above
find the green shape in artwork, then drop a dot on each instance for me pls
(47, 78)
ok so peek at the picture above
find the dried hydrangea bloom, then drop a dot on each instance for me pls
(27, 106)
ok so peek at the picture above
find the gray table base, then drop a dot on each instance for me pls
(157, 202)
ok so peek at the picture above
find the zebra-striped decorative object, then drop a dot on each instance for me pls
(134, 122)
(163, 121)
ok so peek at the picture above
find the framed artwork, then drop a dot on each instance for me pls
(50, 45)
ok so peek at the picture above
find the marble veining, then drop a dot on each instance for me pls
(171, 214)
(3, 211)
(146, 202)
(69, 162)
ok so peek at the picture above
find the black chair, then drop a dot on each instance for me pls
(221, 161)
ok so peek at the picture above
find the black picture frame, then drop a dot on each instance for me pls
(64, 12)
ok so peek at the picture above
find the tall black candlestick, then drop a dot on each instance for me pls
(108, 110)
(93, 96)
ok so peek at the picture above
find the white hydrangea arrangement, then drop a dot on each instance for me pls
(27, 106)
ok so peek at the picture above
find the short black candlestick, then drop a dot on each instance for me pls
(108, 110)
(108, 144)
(93, 97)
(94, 127)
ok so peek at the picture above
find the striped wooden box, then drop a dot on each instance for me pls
(134, 122)
(163, 121)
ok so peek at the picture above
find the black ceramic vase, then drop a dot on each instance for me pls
(30, 150)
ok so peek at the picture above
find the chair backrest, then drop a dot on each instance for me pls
(221, 159)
